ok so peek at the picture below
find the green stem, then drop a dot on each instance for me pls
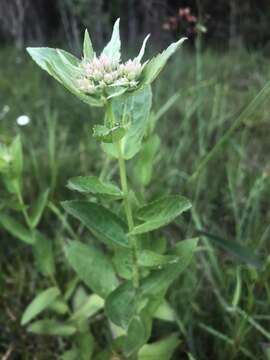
(128, 210)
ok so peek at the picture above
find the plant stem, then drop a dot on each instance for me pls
(128, 210)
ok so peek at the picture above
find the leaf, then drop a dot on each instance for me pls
(106, 135)
(86, 344)
(123, 262)
(90, 307)
(159, 281)
(59, 307)
(154, 66)
(243, 253)
(137, 335)
(141, 53)
(51, 327)
(62, 66)
(92, 184)
(43, 253)
(40, 303)
(132, 111)
(88, 51)
(149, 258)
(113, 48)
(145, 162)
(99, 220)
(92, 267)
(16, 153)
(122, 304)
(38, 208)
(165, 312)
(16, 229)
(160, 350)
(160, 213)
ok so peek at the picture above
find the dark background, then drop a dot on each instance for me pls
(230, 23)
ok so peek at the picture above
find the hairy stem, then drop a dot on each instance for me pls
(128, 210)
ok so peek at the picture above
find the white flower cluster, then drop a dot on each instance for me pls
(102, 72)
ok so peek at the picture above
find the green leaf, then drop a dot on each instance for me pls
(40, 303)
(88, 51)
(144, 165)
(165, 312)
(122, 304)
(106, 135)
(64, 67)
(160, 213)
(90, 307)
(131, 111)
(51, 327)
(159, 281)
(113, 48)
(154, 66)
(16, 229)
(59, 307)
(92, 184)
(86, 344)
(243, 253)
(137, 335)
(16, 153)
(44, 56)
(99, 220)
(149, 258)
(43, 253)
(38, 208)
(93, 267)
(123, 262)
(160, 350)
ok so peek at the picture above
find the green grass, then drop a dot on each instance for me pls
(221, 304)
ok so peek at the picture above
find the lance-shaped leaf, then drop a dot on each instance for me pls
(113, 48)
(149, 258)
(93, 185)
(16, 229)
(132, 111)
(90, 307)
(64, 67)
(40, 303)
(52, 327)
(137, 334)
(43, 253)
(160, 213)
(16, 154)
(100, 221)
(88, 51)
(159, 281)
(122, 304)
(92, 267)
(160, 350)
(38, 208)
(154, 66)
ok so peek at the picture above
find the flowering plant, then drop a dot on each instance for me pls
(131, 272)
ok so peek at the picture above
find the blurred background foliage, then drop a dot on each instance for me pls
(229, 22)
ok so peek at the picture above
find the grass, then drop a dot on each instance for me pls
(221, 304)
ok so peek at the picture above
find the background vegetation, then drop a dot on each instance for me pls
(221, 304)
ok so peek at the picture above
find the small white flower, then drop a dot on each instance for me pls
(23, 120)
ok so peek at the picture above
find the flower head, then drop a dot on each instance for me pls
(97, 78)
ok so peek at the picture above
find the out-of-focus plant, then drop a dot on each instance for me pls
(130, 267)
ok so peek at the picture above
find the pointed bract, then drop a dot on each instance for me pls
(88, 52)
(141, 53)
(113, 48)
